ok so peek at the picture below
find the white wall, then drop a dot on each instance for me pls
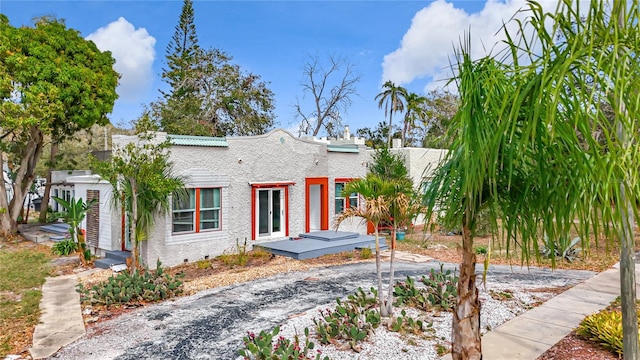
(273, 157)
(108, 233)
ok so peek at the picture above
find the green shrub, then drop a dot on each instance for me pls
(65, 247)
(351, 321)
(564, 248)
(441, 287)
(53, 216)
(262, 347)
(406, 324)
(366, 253)
(480, 249)
(439, 291)
(605, 328)
(133, 288)
(239, 257)
(406, 293)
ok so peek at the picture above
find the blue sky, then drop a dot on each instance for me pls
(408, 42)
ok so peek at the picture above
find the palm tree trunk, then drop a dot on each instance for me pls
(391, 274)
(134, 220)
(390, 123)
(465, 333)
(630, 347)
(381, 304)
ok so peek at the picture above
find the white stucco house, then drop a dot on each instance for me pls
(256, 188)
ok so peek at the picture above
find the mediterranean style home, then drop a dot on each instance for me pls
(248, 189)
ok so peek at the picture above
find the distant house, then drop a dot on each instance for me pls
(8, 183)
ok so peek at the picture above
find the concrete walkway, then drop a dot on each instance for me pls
(529, 335)
(61, 316)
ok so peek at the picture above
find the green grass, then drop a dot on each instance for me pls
(23, 273)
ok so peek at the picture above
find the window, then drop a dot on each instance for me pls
(341, 200)
(198, 211)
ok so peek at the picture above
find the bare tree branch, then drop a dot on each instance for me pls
(331, 87)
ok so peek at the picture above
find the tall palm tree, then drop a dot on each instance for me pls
(468, 181)
(537, 143)
(415, 111)
(392, 98)
(376, 209)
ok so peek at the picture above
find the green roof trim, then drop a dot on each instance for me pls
(189, 140)
(350, 148)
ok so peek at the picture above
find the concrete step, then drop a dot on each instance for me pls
(118, 255)
(107, 263)
(58, 228)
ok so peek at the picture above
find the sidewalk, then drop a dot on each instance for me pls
(529, 335)
(61, 317)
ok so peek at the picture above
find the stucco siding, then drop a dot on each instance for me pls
(274, 158)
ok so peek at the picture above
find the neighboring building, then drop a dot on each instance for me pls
(8, 183)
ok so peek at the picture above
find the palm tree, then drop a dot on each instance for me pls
(415, 110)
(468, 181)
(393, 98)
(75, 212)
(402, 207)
(143, 181)
(537, 143)
(376, 209)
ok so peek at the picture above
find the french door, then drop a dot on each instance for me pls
(270, 212)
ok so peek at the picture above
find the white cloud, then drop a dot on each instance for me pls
(427, 48)
(134, 53)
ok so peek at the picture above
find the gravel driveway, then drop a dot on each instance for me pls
(211, 324)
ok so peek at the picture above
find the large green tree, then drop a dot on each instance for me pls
(392, 98)
(209, 95)
(52, 82)
(440, 107)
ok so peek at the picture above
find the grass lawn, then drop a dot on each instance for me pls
(23, 269)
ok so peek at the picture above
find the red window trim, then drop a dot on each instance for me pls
(196, 213)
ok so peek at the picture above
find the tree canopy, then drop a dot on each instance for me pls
(52, 82)
(208, 95)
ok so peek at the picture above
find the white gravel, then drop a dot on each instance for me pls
(386, 345)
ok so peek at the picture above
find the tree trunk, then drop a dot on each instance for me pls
(44, 206)
(465, 333)
(628, 290)
(381, 304)
(391, 273)
(5, 219)
(630, 347)
(134, 220)
(390, 132)
(25, 175)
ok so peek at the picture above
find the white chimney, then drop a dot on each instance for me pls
(347, 134)
(396, 143)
